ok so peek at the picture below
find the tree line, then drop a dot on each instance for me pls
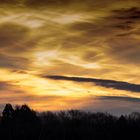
(23, 123)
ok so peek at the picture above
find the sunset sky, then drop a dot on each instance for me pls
(70, 54)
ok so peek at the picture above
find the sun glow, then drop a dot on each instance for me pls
(45, 57)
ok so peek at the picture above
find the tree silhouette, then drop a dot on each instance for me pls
(22, 123)
(8, 112)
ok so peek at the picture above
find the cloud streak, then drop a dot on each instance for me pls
(100, 82)
(120, 98)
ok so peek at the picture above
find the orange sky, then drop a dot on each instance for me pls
(63, 54)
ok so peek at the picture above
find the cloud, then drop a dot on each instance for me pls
(124, 50)
(9, 1)
(88, 5)
(100, 82)
(13, 37)
(13, 62)
(8, 89)
(115, 36)
(124, 18)
(112, 104)
(120, 22)
(30, 98)
(120, 98)
(45, 2)
(14, 41)
(63, 2)
(132, 14)
(41, 3)
(4, 85)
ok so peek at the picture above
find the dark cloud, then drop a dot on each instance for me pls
(41, 3)
(90, 29)
(46, 2)
(12, 62)
(4, 85)
(30, 98)
(9, 1)
(104, 28)
(87, 3)
(130, 14)
(125, 18)
(117, 30)
(118, 22)
(122, 98)
(100, 82)
(123, 46)
(112, 104)
(12, 37)
(124, 50)
(56, 2)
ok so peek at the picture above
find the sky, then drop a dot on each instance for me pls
(70, 54)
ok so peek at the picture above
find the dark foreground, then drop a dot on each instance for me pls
(22, 123)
